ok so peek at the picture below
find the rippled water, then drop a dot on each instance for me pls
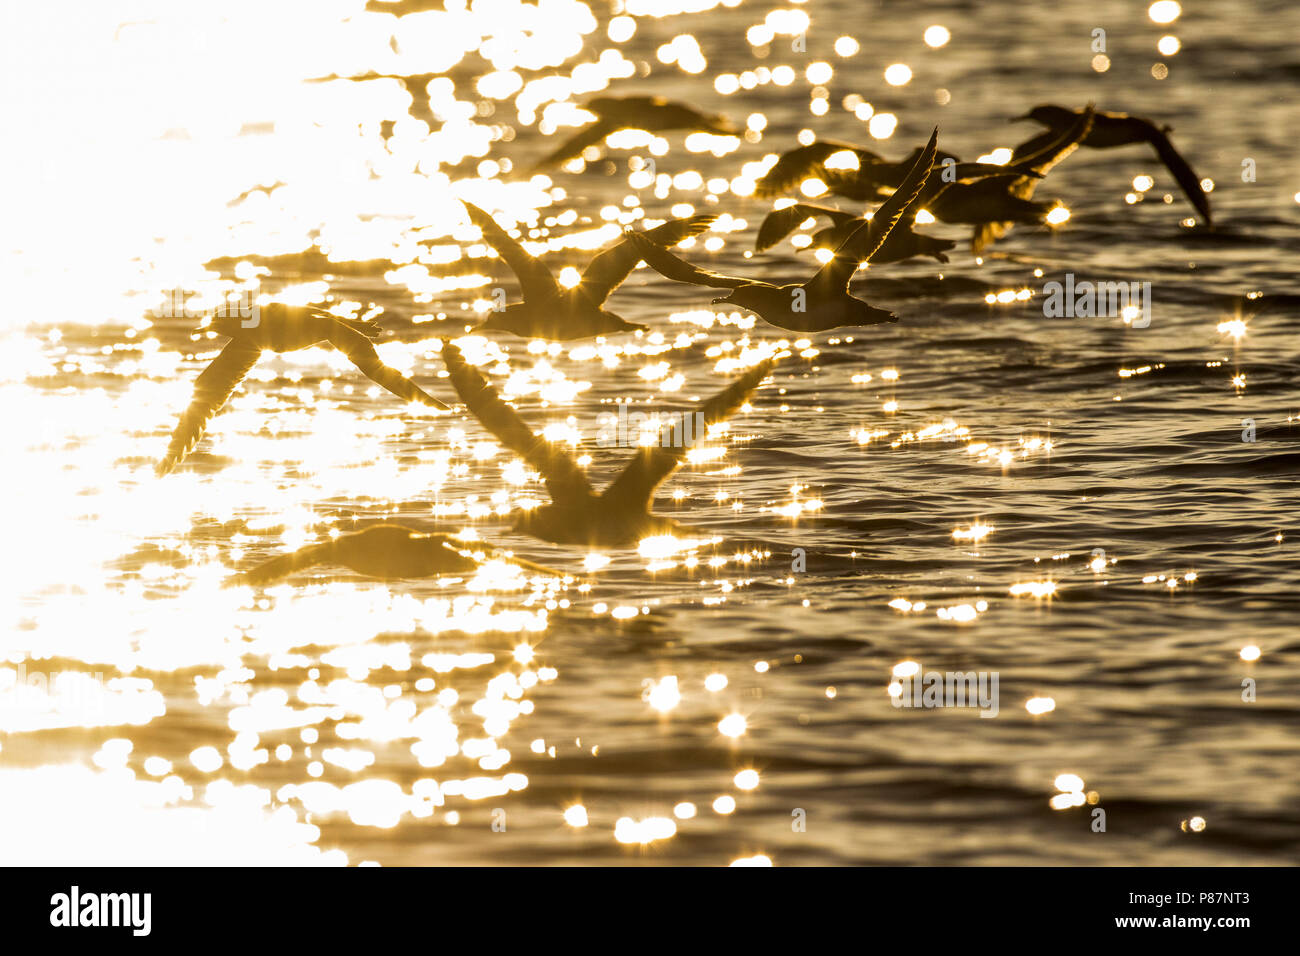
(147, 715)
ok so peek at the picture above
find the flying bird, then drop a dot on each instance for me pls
(823, 302)
(654, 114)
(872, 177)
(980, 203)
(550, 311)
(955, 192)
(279, 328)
(1119, 129)
(995, 203)
(620, 516)
(389, 552)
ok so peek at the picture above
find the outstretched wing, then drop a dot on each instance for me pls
(535, 280)
(796, 165)
(779, 223)
(592, 135)
(1187, 179)
(357, 347)
(1038, 162)
(673, 267)
(608, 269)
(567, 485)
(868, 237)
(212, 389)
(635, 487)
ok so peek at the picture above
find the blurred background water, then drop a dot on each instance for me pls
(1132, 563)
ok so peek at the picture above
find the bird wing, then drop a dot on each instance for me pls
(796, 165)
(1034, 163)
(535, 280)
(779, 223)
(859, 247)
(1187, 179)
(565, 481)
(357, 347)
(212, 389)
(608, 269)
(591, 135)
(635, 487)
(679, 270)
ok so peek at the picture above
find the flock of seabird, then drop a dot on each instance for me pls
(987, 196)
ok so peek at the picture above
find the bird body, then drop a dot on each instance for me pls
(790, 307)
(278, 328)
(620, 516)
(552, 312)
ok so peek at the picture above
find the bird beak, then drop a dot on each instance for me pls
(1019, 119)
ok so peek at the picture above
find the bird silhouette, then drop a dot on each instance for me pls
(823, 302)
(549, 310)
(279, 328)
(654, 114)
(1110, 130)
(620, 516)
(386, 551)
(955, 193)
